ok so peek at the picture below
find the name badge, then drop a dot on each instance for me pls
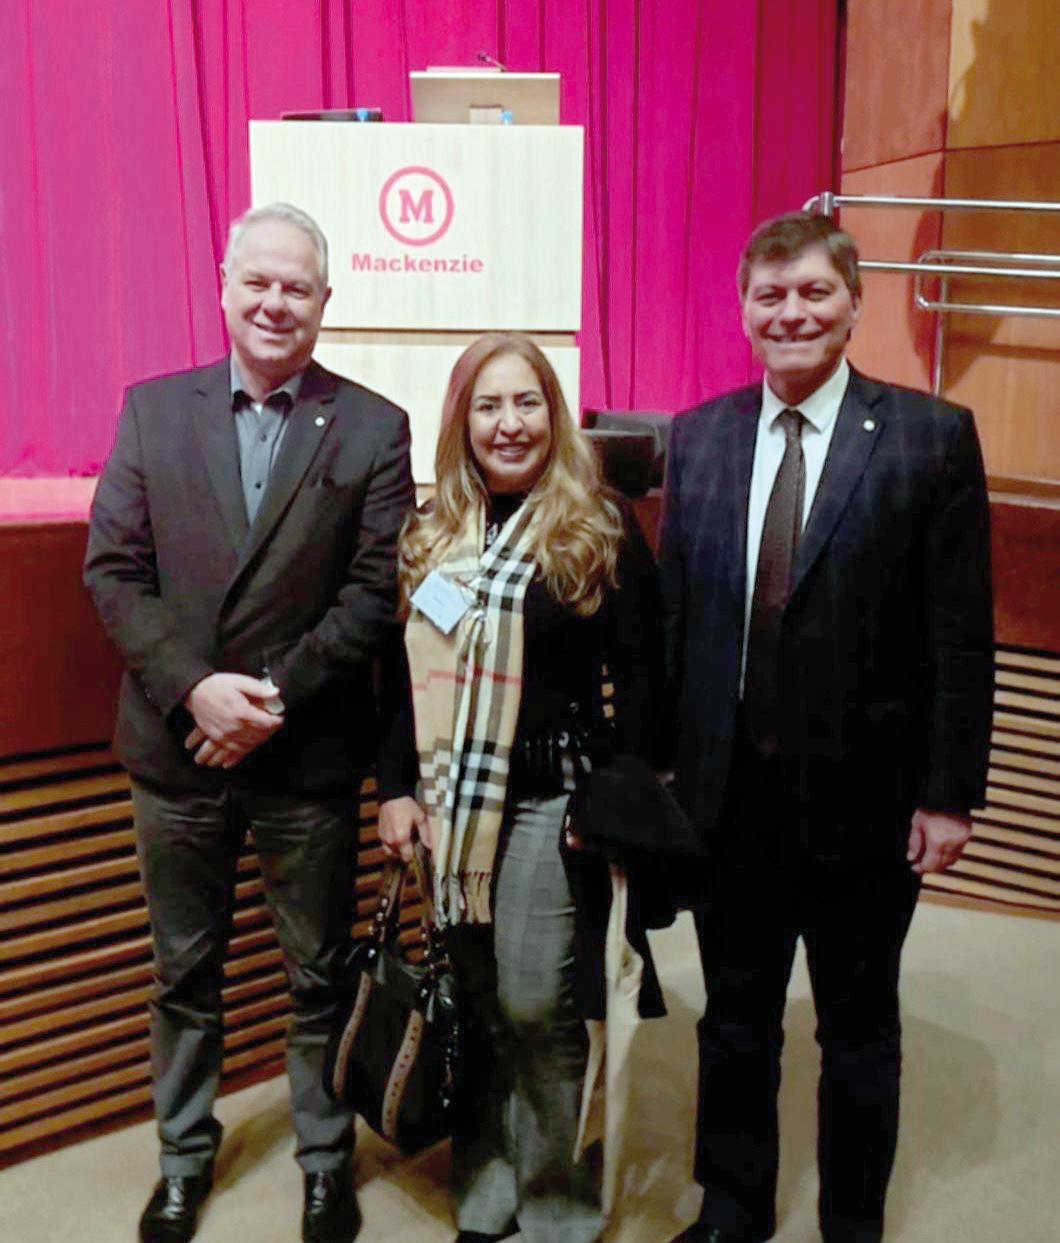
(441, 601)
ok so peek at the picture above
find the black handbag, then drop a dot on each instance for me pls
(395, 1056)
(623, 813)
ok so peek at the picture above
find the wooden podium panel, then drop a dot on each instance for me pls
(436, 227)
(416, 375)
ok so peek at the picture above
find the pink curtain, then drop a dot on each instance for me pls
(125, 155)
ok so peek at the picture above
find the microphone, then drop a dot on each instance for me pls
(489, 60)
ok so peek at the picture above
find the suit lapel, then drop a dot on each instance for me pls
(858, 427)
(216, 430)
(310, 419)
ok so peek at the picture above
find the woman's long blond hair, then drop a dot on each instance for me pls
(578, 528)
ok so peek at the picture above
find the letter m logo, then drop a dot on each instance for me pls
(420, 210)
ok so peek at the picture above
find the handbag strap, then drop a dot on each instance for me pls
(391, 886)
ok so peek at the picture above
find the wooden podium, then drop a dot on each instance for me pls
(437, 233)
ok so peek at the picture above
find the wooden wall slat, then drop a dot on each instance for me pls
(1035, 684)
(267, 1058)
(1024, 761)
(109, 1107)
(36, 828)
(80, 1016)
(1011, 657)
(1012, 839)
(52, 912)
(1034, 726)
(88, 1064)
(1028, 703)
(73, 1094)
(99, 872)
(49, 766)
(1003, 796)
(1024, 743)
(1021, 779)
(58, 792)
(62, 996)
(75, 1069)
(959, 883)
(67, 850)
(1009, 815)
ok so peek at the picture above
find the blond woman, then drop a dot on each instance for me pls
(524, 580)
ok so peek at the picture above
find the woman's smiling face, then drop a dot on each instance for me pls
(509, 424)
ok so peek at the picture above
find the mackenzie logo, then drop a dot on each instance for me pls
(416, 205)
(416, 208)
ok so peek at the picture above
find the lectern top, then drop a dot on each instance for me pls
(457, 96)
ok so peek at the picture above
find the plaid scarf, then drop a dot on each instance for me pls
(466, 691)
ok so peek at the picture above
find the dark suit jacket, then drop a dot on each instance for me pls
(184, 588)
(887, 660)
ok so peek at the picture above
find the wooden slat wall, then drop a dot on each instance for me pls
(1014, 855)
(75, 969)
(75, 955)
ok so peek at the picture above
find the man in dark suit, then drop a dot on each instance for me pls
(825, 564)
(241, 554)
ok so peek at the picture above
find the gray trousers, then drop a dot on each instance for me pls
(527, 1046)
(188, 847)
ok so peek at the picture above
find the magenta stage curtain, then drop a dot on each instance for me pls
(124, 155)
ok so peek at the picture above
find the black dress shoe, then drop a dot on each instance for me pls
(331, 1213)
(697, 1232)
(172, 1213)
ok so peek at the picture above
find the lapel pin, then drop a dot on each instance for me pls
(869, 425)
(319, 420)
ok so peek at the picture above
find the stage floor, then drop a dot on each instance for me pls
(45, 500)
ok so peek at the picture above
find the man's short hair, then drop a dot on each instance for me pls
(785, 237)
(279, 211)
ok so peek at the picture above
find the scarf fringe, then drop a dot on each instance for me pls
(476, 888)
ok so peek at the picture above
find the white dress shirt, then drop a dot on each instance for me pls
(819, 411)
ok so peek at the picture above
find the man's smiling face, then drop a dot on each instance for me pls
(273, 299)
(798, 315)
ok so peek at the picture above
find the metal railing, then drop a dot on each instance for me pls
(947, 264)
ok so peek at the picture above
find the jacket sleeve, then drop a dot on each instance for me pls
(635, 653)
(961, 638)
(672, 592)
(364, 614)
(121, 575)
(397, 763)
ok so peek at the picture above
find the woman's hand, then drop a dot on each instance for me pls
(401, 821)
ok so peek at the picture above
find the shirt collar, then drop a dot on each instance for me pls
(290, 386)
(819, 409)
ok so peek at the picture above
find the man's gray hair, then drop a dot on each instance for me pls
(279, 211)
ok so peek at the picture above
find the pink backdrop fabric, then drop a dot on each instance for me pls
(125, 155)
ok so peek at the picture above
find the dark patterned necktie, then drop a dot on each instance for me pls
(776, 555)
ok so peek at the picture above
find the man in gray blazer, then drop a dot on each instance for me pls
(241, 554)
(826, 574)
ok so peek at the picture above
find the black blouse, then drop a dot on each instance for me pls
(561, 711)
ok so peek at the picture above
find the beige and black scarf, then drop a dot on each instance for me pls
(466, 690)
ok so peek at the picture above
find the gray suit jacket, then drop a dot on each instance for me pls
(185, 587)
